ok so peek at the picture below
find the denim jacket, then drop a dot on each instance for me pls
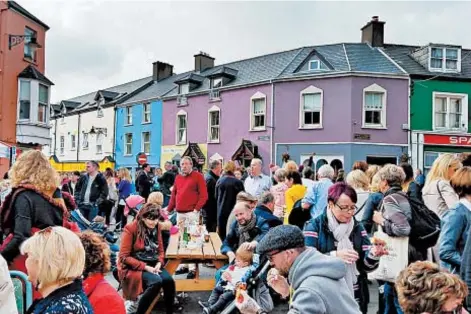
(455, 228)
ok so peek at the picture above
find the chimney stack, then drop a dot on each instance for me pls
(203, 61)
(373, 32)
(161, 70)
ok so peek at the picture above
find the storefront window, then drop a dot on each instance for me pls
(429, 158)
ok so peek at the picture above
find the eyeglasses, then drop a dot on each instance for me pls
(272, 255)
(347, 209)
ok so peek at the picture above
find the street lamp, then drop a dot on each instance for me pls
(14, 40)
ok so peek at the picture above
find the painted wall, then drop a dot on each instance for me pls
(66, 127)
(422, 101)
(137, 127)
(342, 110)
(12, 62)
(234, 121)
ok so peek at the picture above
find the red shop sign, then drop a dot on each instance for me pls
(439, 139)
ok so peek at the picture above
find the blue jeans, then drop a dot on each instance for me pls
(88, 211)
(390, 294)
(166, 201)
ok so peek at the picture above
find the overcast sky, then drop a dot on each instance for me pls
(98, 44)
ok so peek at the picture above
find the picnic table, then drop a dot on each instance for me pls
(210, 252)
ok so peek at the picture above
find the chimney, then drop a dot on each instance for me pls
(161, 70)
(373, 32)
(203, 61)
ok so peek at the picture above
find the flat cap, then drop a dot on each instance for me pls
(281, 238)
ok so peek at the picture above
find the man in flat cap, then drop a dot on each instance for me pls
(314, 281)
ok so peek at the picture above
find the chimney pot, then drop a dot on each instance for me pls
(375, 18)
(203, 61)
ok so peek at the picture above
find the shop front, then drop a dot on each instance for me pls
(71, 166)
(426, 147)
(244, 154)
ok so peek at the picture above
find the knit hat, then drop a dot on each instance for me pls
(281, 238)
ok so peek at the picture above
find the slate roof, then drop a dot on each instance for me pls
(401, 54)
(32, 73)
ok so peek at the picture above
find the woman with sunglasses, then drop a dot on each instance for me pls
(141, 260)
(337, 233)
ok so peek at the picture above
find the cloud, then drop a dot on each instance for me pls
(97, 44)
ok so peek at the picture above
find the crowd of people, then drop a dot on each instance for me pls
(326, 235)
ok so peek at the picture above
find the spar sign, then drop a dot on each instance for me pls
(440, 139)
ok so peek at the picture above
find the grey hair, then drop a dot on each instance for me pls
(257, 160)
(280, 174)
(392, 174)
(214, 164)
(326, 171)
(266, 198)
(187, 158)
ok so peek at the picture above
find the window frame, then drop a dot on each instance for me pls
(464, 111)
(218, 80)
(126, 153)
(73, 142)
(143, 143)
(29, 33)
(377, 89)
(99, 136)
(42, 104)
(310, 90)
(180, 88)
(85, 140)
(314, 61)
(146, 112)
(100, 113)
(19, 100)
(62, 145)
(128, 115)
(255, 97)
(443, 67)
(185, 114)
(212, 110)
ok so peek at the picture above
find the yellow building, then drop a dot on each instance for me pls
(197, 152)
(71, 166)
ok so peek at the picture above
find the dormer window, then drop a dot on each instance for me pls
(216, 82)
(99, 113)
(101, 101)
(445, 59)
(183, 89)
(314, 65)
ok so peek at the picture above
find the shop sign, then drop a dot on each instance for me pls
(359, 136)
(440, 139)
(264, 138)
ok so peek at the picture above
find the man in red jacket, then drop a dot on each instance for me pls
(189, 195)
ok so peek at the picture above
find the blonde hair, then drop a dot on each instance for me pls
(374, 186)
(32, 167)
(371, 171)
(291, 166)
(156, 198)
(357, 179)
(123, 173)
(440, 167)
(230, 167)
(59, 254)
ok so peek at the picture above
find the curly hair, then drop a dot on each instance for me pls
(32, 167)
(424, 288)
(97, 253)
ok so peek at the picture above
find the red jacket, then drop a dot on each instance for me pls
(130, 269)
(188, 193)
(102, 296)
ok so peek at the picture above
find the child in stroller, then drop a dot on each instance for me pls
(235, 275)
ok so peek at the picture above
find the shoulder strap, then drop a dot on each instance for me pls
(438, 189)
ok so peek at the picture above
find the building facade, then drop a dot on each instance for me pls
(25, 90)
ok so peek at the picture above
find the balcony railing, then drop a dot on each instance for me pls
(182, 100)
(214, 94)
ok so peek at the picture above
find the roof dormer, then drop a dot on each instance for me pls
(314, 62)
(439, 58)
(188, 83)
(221, 76)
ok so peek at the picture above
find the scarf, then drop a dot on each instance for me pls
(244, 230)
(342, 233)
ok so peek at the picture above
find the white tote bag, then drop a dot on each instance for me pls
(390, 265)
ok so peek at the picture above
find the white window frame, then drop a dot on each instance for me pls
(143, 143)
(182, 87)
(257, 96)
(181, 113)
(29, 32)
(42, 104)
(215, 82)
(146, 112)
(73, 142)
(100, 113)
(310, 90)
(100, 137)
(375, 88)
(126, 153)
(19, 100)
(318, 67)
(62, 145)
(464, 113)
(85, 141)
(210, 127)
(128, 115)
(443, 68)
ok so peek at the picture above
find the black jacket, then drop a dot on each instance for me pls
(227, 189)
(98, 193)
(67, 187)
(166, 181)
(144, 184)
(210, 207)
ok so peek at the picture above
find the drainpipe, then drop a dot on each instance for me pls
(55, 138)
(78, 135)
(115, 118)
(272, 119)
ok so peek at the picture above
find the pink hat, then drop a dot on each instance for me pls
(134, 202)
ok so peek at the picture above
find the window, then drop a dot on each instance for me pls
(128, 117)
(184, 89)
(374, 107)
(29, 51)
(62, 144)
(314, 65)
(311, 108)
(128, 144)
(445, 59)
(99, 113)
(181, 127)
(72, 141)
(217, 82)
(258, 112)
(99, 143)
(213, 128)
(450, 111)
(146, 113)
(85, 141)
(145, 142)
(43, 100)
(25, 100)
(429, 158)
